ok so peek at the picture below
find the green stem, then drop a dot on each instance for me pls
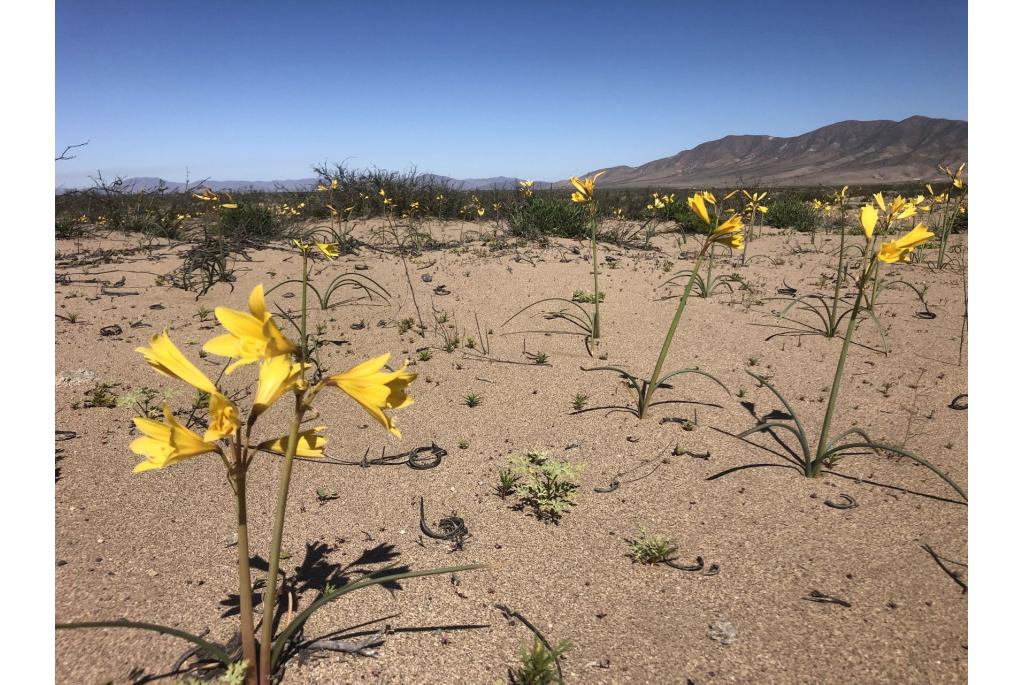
(645, 401)
(270, 592)
(597, 292)
(302, 328)
(244, 576)
(942, 229)
(814, 468)
(839, 279)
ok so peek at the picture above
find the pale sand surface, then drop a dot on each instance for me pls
(155, 546)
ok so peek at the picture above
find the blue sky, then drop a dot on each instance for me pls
(264, 90)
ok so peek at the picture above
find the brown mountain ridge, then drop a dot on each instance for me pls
(847, 152)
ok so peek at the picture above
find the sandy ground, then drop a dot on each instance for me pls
(156, 546)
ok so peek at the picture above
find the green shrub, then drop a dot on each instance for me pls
(686, 220)
(543, 217)
(547, 485)
(249, 220)
(789, 212)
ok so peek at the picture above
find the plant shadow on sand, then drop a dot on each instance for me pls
(315, 573)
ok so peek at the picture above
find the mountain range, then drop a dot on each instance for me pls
(847, 152)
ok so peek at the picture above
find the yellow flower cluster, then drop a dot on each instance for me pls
(254, 337)
(584, 188)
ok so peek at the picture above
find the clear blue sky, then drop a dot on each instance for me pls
(264, 90)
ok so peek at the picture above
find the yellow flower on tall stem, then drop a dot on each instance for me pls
(899, 250)
(166, 443)
(251, 336)
(310, 444)
(278, 375)
(584, 188)
(868, 219)
(696, 203)
(166, 359)
(376, 388)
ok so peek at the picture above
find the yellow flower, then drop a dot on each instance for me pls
(696, 203)
(250, 337)
(165, 358)
(377, 389)
(310, 444)
(229, 205)
(880, 200)
(330, 250)
(167, 443)
(278, 375)
(868, 219)
(526, 184)
(899, 250)
(321, 188)
(223, 418)
(334, 184)
(207, 196)
(584, 188)
(729, 232)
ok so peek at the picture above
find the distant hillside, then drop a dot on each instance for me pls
(849, 152)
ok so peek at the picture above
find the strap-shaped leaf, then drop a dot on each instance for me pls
(208, 647)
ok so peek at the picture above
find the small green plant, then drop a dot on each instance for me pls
(580, 401)
(100, 396)
(71, 317)
(203, 313)
(472, 400)
(538, 665)
(323, 496)
(538, 358)
(470, 343)
(507, 480)
(405, 325)
(546, 485)
(147, 401)
(650, 549)
(463, 444)
(585, 297)
(425, 355)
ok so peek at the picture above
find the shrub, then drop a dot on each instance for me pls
(249, 220)
(548, 216)
(789, 212)
(547, 485)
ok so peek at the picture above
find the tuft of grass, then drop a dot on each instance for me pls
(463, 444)
(425, 355)
(580, 401)
(507, 480)
(538, 665)
(405, 325)
(472, 400)
(650, 549)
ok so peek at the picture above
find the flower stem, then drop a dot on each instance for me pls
(645, 401)
(597, 292)
(814, 468)
(270, 593)
(245, 578)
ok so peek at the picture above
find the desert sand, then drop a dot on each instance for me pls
(158, 546)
